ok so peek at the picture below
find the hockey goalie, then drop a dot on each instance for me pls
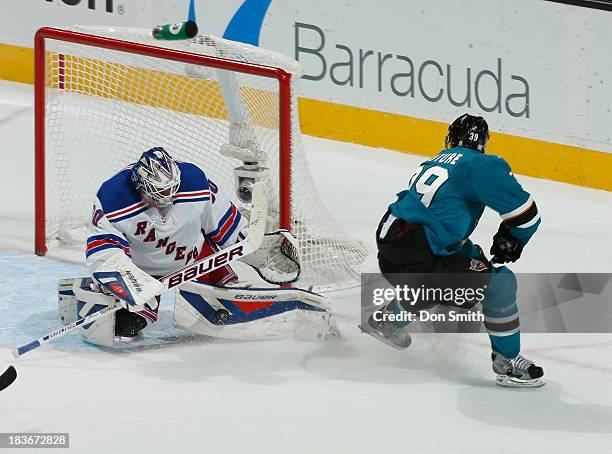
(158, 215)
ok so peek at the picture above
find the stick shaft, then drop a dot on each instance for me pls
(19, 351)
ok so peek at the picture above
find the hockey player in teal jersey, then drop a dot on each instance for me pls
(426, 233)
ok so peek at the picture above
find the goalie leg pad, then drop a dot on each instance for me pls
(69, 307)
(88, 301)
(66, 300)
(252, 313)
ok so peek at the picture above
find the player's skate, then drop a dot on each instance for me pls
(387, 331)
(517, 372)
(128, 325)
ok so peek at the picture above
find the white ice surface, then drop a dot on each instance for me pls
(351, 395)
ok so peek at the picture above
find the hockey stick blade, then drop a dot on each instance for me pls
(255, 235)
(259, 216)
(8, 377)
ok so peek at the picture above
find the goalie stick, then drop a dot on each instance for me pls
(255, 235)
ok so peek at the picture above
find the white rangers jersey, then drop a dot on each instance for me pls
(123, 224)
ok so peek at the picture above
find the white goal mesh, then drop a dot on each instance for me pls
(105, 107)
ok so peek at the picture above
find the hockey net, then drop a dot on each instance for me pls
(101, 102)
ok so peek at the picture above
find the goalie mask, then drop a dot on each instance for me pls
(157, 177)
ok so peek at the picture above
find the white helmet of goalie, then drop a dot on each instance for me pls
(157, 177)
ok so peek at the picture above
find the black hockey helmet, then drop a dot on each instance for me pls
(468, 131)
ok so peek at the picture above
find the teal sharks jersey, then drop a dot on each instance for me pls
(449, 192)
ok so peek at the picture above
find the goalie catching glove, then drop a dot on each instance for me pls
(277, 261)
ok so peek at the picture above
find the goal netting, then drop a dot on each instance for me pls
(105, 102)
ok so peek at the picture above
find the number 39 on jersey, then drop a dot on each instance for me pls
(427, 183)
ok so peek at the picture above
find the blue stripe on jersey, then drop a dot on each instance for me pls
(192, 178)
(223, 221)
(130, 215)
(108, 236)
(201, 199)
(106, 246)
(117, 193)
(231, 230)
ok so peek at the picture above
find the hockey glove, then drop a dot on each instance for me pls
(134, 288)
(277, 261)
(505, 247)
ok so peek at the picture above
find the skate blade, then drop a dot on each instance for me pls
(404, 344)
(125, 339)
(510, 382)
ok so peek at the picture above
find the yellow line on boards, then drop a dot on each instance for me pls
(526, 156)
(16, 63)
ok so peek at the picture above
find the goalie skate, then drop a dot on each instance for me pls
(517, 372)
